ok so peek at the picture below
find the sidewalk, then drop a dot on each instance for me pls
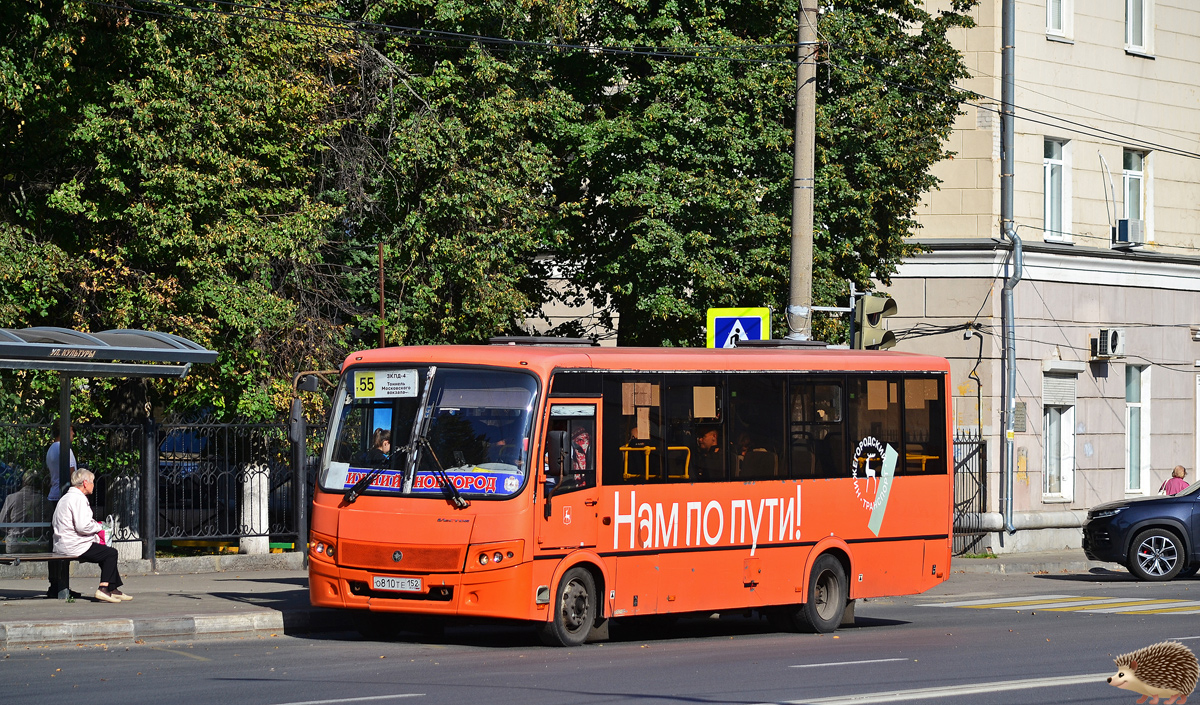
(238, 596)
(1065, 561)
(253, 596)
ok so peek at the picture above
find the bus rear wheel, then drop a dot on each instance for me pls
(574, 609)
(827, 593)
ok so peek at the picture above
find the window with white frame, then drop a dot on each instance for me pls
(1058, 435)
(1059, 471)
(1056, 190)
(1058, 17)
(1137, 427)
(1137, 19)
(1134, 182)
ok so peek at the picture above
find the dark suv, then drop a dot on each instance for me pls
(1156, 538)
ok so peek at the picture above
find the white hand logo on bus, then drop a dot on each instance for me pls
(869, 457)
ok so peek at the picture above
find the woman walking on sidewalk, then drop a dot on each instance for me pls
(77, 534)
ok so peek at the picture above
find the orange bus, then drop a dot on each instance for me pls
(570, 485)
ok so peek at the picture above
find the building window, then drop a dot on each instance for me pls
(1059, 469)
(1134, 182)
(1058, 13)
(1136, 20)
(1137, 427)
(1055, 187)
(1058, 433)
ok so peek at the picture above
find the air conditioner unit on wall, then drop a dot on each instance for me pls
(1109, 344)
(1130, 232)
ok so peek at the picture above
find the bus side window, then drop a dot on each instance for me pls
(873, 411)
(924, 427)
(817, 431)
(634, 445)
(694, 432)
(756, 424)
(580, 469)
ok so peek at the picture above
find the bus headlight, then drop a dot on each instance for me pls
(322, 548)
(490, 556)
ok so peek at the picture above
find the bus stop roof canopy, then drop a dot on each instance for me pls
(111, 353)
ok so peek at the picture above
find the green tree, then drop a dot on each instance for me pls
(169, 167)
(447, 164)
(677, 185)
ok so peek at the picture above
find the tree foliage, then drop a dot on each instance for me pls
(172, 180)
(228, 172)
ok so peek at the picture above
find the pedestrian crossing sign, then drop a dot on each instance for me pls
(726, 326)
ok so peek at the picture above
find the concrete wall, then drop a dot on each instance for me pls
(1067, 295)
(1087, 89)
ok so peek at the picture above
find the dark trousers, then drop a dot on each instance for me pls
(106, 556)
(60, 576)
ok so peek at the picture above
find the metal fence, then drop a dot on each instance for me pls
(210, 481)
(970, 487)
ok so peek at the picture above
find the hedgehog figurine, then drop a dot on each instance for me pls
(1164, 670)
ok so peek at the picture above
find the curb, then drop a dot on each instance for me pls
(198, 627)
(1019, 567)
(169, 566)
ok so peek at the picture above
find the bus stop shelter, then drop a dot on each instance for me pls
(111, 353)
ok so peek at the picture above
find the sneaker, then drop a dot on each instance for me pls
(106, 596)
(123, 596)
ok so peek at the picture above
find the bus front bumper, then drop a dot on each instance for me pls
(501, 592)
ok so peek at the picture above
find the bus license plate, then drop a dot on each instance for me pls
(382, 582)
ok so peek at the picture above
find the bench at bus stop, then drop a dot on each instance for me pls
(16, 559)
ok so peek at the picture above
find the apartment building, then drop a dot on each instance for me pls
(1107, 307)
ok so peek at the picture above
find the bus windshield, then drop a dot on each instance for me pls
(475, 425)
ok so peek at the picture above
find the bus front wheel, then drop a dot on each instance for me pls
(574, 609)
(827, 593)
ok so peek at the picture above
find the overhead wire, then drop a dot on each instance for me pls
(427, 35)
(676, 52)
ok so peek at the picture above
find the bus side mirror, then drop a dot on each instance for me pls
(297, 428)
(556, 450)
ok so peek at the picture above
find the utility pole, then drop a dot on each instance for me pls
(381, 295)
(799, 310)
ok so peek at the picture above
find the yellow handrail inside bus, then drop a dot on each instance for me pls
(646, 450)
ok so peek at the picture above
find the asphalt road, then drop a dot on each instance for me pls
(914, 649)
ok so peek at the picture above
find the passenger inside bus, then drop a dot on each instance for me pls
(709, 461)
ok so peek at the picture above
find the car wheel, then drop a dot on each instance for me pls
(1156, 554)
(574, 610)
(827, 593)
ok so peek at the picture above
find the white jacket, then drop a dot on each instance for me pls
(74, 528)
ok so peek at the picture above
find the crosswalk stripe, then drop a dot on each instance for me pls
(1031, 603)
(1106, 607)
(1082, 604)
(1076, 603)
(1192, 608)
(990, 600)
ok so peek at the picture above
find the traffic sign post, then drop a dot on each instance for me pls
(726, 326)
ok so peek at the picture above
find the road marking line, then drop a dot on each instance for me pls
(1164, 606)
(1032, 603)
(970, 603)
(180, 653)
(1127, 603)
(1097, 602)
(847, 663)
(893, 696)
(356, 700)
(1167, 610)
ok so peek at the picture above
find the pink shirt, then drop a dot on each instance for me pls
(1174, 485)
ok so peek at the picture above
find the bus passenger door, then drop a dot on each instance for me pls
(567, 511)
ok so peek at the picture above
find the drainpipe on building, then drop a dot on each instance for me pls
(1009, 364)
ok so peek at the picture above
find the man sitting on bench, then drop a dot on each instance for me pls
(77, 534)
